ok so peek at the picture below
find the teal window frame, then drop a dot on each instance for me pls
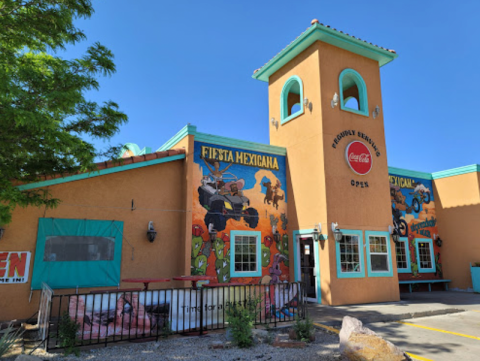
(409, 262)
(284, 117)
(362, 92)
(372, 273)
(340, 274)
(432, 255)
(73, 274)
(258, 272)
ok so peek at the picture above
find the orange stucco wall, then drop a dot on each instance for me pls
(319, 178)
(158, 192)
(458, 212)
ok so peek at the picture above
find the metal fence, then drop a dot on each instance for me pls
(116, 316)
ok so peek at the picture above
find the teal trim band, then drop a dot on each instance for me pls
(356, 78)
(225, 141)
(404, 240)
(186, 130)
(284, 117)
(258, 272)
(117, 169)
(72, 274)
(361, 274)
(322, 33)
(409, 173)
(241, 144)
(316, 251)
(456, 171)
(419, 263)
(372, 273)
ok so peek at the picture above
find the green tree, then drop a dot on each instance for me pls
(45, 117)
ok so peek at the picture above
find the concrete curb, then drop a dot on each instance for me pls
(392, 318)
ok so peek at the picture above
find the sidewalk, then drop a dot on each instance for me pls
(411, 305)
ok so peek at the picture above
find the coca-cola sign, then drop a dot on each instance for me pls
(358, 157)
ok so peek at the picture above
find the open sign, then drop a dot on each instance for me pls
(14, 267)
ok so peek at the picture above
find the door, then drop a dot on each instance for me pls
(307, 268)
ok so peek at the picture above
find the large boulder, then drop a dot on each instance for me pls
(359, 343)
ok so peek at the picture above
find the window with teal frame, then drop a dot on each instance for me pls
(80, 253)
(245, 254)
(349, 254)
(353, 92)
(379, 254)
(403, 256)
(291, 99)
(425, 257)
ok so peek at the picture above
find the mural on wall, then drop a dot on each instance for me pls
(237, 189)
(413, 213)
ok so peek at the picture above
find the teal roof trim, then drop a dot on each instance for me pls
(117, 169)
(322, 33)
(186, 130)
(218, 140)
(456, 171)
(409, 173)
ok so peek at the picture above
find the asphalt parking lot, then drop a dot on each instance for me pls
(437, 338)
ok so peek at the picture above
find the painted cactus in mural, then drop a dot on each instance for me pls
(414, 218)
(242, 191)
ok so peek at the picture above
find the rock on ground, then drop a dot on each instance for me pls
(359, 343)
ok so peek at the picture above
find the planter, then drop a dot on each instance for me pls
(475, 271)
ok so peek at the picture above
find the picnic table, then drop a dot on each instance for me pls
(145, 281)
(194, 279)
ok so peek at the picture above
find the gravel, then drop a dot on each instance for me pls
(324, 348)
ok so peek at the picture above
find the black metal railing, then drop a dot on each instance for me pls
(116, 316)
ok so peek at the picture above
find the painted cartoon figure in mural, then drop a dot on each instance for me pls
(275, 270)
(222, 263)
(223, 199)
(271, 194)
(421, 194)
(200, 251)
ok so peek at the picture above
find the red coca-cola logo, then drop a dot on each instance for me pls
(358, 157)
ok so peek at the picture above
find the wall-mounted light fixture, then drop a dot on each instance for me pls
(212, 232)
(394, 233)
(335, 100)
(336, 232)
(376, 111)
(151, 232)
(274, 122)
(436, 238)
(2, 232)
(307, 104)
(317, 231)
(277, 237)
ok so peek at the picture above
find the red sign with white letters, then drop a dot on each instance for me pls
(358, 157)
(14, 267)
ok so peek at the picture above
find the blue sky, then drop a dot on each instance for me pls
(182, 62)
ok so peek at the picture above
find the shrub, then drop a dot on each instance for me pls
(240, 320)
(304, 329)
(9, 337)
(67, 334)
(476, 264)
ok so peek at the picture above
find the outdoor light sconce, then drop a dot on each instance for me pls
(335, 100)
(376, 111)
(394, 233)
(2, 232)
(336, 232)
(317, 232)
(437, 239)
(212, 232)
(277, 237)
(307, 104)
(274, 122)
(151, 232)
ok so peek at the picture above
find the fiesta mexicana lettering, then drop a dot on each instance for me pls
(243, 158)
(402, 182)
(426, 224)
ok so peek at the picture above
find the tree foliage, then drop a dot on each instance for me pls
(45, 117)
